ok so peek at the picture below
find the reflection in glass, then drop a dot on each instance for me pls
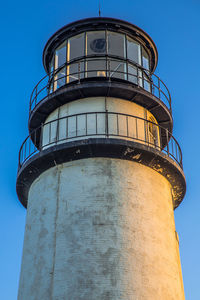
(75, 71)
(60, 55)
(95, 67)
(75, 47)
(95, 42)
(60, 78)
(145, 59)
(133, 50)
(117, 69)
(153, 132)
(132, 74)
(60, 59)
(100, 43)
(146, 83)
(51, 76)
(116, 44)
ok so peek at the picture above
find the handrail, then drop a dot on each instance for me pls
(100, 124)
(132, 72)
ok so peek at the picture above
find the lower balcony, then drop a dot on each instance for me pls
(100, 134)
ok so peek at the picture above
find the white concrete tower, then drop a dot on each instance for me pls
(100, 172)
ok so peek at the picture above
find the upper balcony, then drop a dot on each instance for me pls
(100, 57)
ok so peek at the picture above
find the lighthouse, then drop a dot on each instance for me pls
(100, 172)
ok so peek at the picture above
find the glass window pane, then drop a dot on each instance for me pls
(95, 42)
(145, 59)
(52, 64)
(96, 67)
(60, 55)
(146, 83)
(60, 78)
(117, 69)
(116, 44)
(132, 74)
(133, 50)
(75, 47)
(51, 75)
(75, 71)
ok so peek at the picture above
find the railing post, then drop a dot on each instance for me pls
(86, 131)
(127, 126)
(159, 87)
(106, 123)
(96, 122)
(109, 69)
(67, 127)
(57, 131)
(136, 126)
(76, 126)
(181, 162)
(160, 137)
(48, 86)
(152, 87)
(142, 78)
(146, 132)
(41, 137)
(117, 124)
(79, 70)
(167, 138)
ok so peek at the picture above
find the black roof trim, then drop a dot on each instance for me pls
(100, 23)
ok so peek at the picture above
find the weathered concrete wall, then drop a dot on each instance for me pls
(74, 127)
(100, 229)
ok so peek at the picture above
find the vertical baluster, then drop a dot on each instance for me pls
(117, 124)
(109, 69)
(152, 87)
(66, 127)
(41, 137)
(39, 133)
(136, 126)
(96, 122)
(57, 130)
(159, 87)
(176, 151)
(160, 138)
(79, 72)
(146, 133)
(167, 138)
(127, 126)
(49, 132)
(86, 131)
(142, 78)
(172, 146)
(181, 162)
(106, 125)
(76, 126)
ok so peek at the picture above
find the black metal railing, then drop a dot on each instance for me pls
(102, 125)
(107, 67)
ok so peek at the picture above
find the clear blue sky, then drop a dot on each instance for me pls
(25, 27)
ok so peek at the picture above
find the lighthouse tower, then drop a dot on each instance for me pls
(100, 172)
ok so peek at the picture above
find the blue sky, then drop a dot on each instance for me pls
(25, 28)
